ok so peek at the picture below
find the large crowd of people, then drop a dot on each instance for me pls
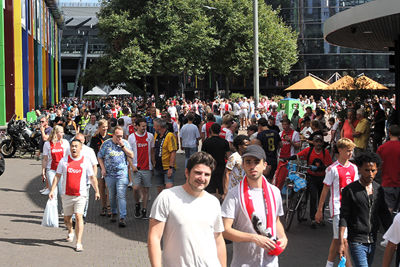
(232, 188)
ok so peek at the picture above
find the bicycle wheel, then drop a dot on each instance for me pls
(302, 208)
(290, 211)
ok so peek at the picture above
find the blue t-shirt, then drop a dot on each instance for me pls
(115, 160)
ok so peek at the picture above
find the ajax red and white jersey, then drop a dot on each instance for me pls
(74, 172)
(287, 149)
(226, 134)
(338, 177)
(141, 146)
(55, 152)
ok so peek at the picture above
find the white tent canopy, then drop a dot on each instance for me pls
(119, 91)
(96, 91)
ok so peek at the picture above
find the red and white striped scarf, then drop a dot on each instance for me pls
(270, 203)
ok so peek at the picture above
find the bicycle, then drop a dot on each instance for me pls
(295, 191)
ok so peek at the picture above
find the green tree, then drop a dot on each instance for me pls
(233, 56)
(156, 37)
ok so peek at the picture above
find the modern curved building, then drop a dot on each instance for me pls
(371, 26)
(29, 56)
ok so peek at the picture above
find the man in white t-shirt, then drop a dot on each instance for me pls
(190, 137)
(173, 112)
(392, 235)
(74, 168)
(254, 201)
(90, 128)
(188, 220)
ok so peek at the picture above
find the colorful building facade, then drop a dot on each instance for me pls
(29, 56)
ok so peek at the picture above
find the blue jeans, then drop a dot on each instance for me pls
(117, 192)
(362, 254)
(188, 152)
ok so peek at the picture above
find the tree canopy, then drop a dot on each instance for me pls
(153, 38)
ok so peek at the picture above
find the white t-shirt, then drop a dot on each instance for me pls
(234, 164)
(90, 129)
(74, 180)
(190, 225)
(88, 153)
(245, 253)
(172, 111)
(393, 233)
(47, 150)
(189, 134)
(236, 109)
(337, 177)
(127, 122)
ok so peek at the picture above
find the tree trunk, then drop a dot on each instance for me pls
(227, 86)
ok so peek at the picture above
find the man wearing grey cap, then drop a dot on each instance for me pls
(251, 213)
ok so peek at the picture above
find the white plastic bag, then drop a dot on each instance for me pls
(50, 217)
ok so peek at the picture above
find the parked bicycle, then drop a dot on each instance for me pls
(295, 191)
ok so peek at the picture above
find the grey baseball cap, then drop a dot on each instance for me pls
(254, 151)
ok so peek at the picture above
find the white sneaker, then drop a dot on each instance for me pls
(384, 243)
(46, 192)
(42, 190)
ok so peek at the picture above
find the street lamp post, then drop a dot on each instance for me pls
(256, 81)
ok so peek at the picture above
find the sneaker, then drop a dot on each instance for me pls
(79, 248)
(144, 214)
(113, 218)
(137, 211)
(384, 243)
(70, 237)
(46, 192)
(122, 222)
(130, 185)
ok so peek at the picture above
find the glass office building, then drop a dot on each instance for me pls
(318, 57)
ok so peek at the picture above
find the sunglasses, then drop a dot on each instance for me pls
(42, 121)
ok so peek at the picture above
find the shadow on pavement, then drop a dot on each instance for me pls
(34, 242)
(12, 190)
(137, 229)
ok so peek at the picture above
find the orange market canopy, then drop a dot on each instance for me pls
(310, 82)
(349, 83)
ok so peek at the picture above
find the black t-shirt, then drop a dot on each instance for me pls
(274, 127)
(216, 147)
(379, 119)
(270, 140)
(97, 140)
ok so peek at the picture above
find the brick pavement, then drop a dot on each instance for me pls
(24, 242)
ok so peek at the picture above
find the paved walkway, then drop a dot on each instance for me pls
(24, 242)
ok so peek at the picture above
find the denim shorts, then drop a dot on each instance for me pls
(161, 177)
(142, 177)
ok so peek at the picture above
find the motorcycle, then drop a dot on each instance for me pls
(20, 136)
